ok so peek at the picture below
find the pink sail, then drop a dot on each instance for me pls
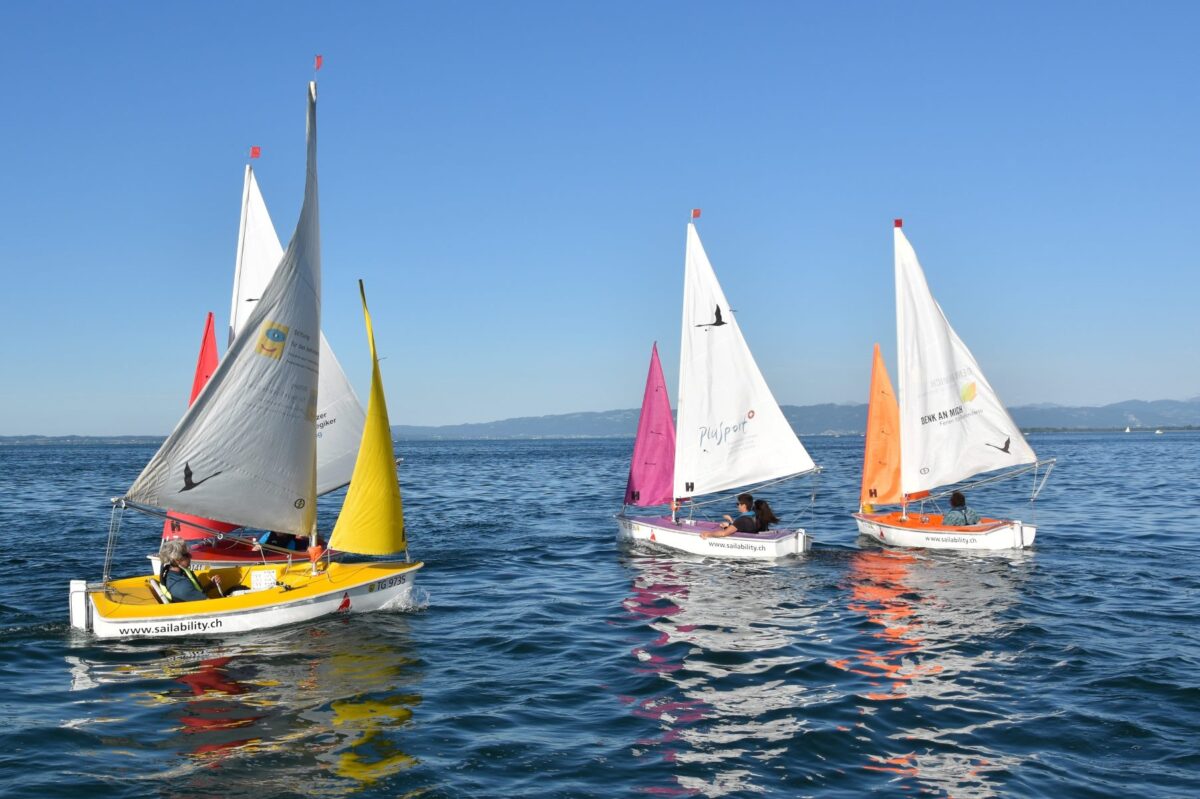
(652, 470)
(179, 525)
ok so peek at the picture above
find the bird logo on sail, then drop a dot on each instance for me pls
(271, 340)
(718, 321)
(1003, 449)
(189, 483)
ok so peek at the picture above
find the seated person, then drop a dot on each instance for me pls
(764, 515)
(746, 521)
(182, 584)
(283, 541)
(960, 515)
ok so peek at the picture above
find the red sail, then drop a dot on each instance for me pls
(180, 524)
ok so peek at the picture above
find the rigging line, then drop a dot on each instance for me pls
(754, 488)
(217, 535)
(988, 480)
(114, 529)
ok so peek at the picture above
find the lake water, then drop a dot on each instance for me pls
(547, 661)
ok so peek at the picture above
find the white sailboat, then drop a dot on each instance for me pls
(731, 431)
(246, 452)
(1126, 429)
(340, 415)
(949, 426)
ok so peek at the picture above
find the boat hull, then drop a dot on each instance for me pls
(926, 531)
(128, 610)
(684, 535)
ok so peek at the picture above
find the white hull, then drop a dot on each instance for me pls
(207, 618)
(684, 536)
(1003, 534)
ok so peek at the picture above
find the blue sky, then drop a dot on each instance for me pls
(512, 181)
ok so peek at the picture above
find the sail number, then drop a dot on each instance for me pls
(390, 582)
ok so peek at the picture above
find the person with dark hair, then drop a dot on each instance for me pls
(764, 515)
(746, 521)
(960, 515)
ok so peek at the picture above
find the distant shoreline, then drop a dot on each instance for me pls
(37, 440)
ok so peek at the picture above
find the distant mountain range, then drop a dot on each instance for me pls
(807, 420)
(827, 419)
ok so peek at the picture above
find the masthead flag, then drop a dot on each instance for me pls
(317, 61)
(695, 213)
(255, 151)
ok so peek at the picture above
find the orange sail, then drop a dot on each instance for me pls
(881, 455)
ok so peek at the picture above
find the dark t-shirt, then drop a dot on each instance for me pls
(746, 524)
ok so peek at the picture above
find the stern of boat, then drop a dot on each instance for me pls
(80, 607)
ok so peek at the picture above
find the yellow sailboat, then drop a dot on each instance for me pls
(246, 451)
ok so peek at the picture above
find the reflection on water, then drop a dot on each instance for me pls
(318, 711)
(930, 619)
(725, 650)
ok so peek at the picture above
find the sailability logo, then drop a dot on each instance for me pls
(272, 340)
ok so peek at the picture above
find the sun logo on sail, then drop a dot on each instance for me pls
(968, 392)
(271, 340)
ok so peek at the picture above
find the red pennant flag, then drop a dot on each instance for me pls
(317, 62)
(899, 223)
(255, 152)
(695, 213)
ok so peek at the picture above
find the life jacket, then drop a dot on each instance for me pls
(192, 578)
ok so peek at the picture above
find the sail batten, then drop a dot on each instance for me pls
(245, 451)
(653, 463)
(953, 426)
(731, 432)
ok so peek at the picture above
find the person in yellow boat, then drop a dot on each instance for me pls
(182, 584)
(960, 515)
(282, 541)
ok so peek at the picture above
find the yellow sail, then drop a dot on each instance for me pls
(881, 454)
(372, 517)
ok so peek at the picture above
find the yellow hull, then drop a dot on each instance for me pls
(129, 609)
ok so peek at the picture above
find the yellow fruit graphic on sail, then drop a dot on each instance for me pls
(968, 392)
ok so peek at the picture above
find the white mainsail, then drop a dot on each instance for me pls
(952, 424)
(730, 430)
(245, 451)
(340, 416)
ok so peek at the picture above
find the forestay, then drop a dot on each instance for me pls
(339, 413)
(245, 451)
(952, 424)
(731, 432)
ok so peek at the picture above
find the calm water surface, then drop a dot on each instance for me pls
(545, 661)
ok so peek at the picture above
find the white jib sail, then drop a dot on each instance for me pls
(340, 416)
(731, 432)
(952, 424)
(245, 451)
